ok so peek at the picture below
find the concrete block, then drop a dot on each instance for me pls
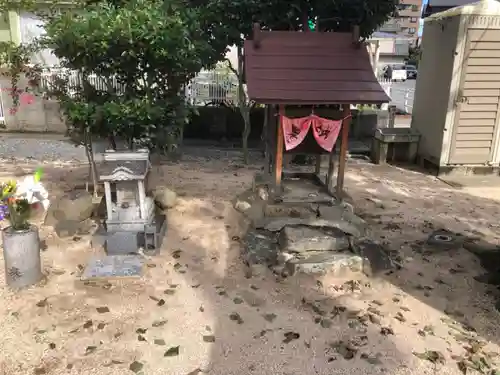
(122, 243)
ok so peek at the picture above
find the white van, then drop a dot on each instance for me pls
(395, 72)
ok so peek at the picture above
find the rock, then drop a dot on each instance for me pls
(276, 224)
(69, 228)
(164, 197)
(301, 239)
(242, 206)
(327, 262)
(260, 248)
(76, 206)
(262, 193)
(292, 211)
(377, 256)
(345, 218)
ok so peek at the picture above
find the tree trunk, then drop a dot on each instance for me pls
(244, 106)
(245, 113)
(92, 166)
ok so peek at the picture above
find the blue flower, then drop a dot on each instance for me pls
(4, 210)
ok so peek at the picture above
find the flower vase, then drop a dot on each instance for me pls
(21, 252)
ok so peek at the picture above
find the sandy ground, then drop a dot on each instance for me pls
(194, 311)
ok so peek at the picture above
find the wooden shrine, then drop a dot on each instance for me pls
(302, 73)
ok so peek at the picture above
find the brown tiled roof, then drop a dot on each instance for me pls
(291, 67)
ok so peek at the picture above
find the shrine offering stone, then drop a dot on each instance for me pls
(122, 243)
(300, 239)
(113, 266)
(164, 197)
(75, 206)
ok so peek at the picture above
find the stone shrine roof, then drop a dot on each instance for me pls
(124, 166)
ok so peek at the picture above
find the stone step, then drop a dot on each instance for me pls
(277, 224)
(335, 263)
(300, 239)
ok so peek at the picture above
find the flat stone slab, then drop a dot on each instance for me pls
(260, 248)
(276, 224)
(378, 258)
(112, 266)
(356, 225)
(327, 262)
(302, 239)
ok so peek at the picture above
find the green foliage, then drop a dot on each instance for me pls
(143, 53)
(414, 54)
(230, 19)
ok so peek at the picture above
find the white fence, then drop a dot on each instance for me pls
(209, 88)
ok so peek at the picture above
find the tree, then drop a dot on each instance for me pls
(230, 22)
(130, 61)
(414, 54)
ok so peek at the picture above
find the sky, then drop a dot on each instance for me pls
(421, 27)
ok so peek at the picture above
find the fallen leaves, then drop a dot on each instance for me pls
(135, 367)
(290, 336)
(172, 352)
(432, 356)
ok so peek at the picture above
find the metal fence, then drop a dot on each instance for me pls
(207, 88)
(401, 97)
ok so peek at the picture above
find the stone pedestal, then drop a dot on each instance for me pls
(403, 142)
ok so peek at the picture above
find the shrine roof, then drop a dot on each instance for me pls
(290, 67)
(124, 166)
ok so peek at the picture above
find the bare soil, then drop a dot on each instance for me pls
(195, 311)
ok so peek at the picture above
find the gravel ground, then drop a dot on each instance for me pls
(43, 150)
(196, 311)
(59, 149)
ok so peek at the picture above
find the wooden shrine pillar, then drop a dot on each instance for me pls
(346, 114)
(278, 159)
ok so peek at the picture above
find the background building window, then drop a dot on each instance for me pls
(415, 8)
(411, 30)
(413, 19)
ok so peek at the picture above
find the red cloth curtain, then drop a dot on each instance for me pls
(325, 131)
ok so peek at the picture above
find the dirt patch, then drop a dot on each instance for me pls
(213, 319)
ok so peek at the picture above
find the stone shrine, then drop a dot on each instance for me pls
(131, 220)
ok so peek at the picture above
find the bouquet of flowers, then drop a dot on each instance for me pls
(17, 199)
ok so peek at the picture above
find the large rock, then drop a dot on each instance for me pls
(300, 239)
(276, 224)
(164, 197)
(74, 207)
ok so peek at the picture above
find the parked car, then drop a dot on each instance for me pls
(395, 72)
(411, 72)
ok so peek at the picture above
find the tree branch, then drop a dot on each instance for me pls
(232, 68)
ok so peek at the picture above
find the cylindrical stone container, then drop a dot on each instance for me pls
(21, 252)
